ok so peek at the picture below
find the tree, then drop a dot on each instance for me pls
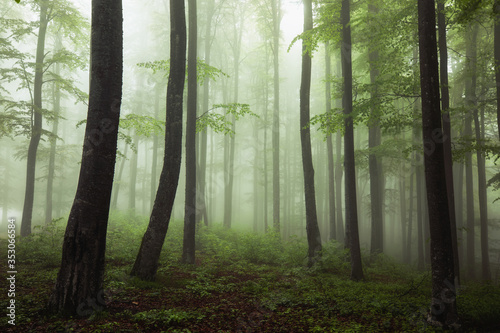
(36, 126)
(276, 13)
(79, 285)
(313, 235)
(329, 148)
(443, 307)
(351, 209)
(496, 47)
(188, 248)
(146, 263)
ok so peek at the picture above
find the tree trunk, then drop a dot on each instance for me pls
(410, 218)
(443, 307)
(36, 124)
(329, 148)
(313, 234)
(117, 181)
(471, 105)
(201, 171)
(276, 12)
(154, 162)
(133, 176)
(351, 209)
(188, 248)
(146, 263)
(445, 105)
(53, 142)
(79, 285)
(374, 163)
(483, 203)
(496, 12)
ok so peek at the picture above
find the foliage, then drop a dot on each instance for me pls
(220, 123)
(204, 71)
(144, 126)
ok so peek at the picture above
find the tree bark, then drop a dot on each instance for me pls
(374, 162)
(79, 285)
(146, 263)
(443, 307)
(36, 124)
(351, 209)
(312, 228)
(496, 52)
(445, 105)
(188, 248)
(329, 148)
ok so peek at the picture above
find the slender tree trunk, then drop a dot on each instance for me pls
(36, 124)
(351, 209)
(313, 234)
(329, 148)
(339, 170)
(154, 161)
(374, 163)
(276, 12)
(146, 263)
(116, 187)
(201, 171)
(445, 105)
(53, 144)
(410, 218)
(483, 203)
(443, 307)
(188, 248)
(79, 285)
(471, 104)
(496, 51)
(402, 208)
(133, 176)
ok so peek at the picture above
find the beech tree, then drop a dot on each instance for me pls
(443, 306)
(146, 263)
(79, 284)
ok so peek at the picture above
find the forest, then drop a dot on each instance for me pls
(250, 165)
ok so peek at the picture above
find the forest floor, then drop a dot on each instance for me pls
(242, 282)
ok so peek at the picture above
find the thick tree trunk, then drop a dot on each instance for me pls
(36, 125)
(329, 148)
(188, 248)
(443, 307)
(351, 209)
(276, 12)
(146, 263)
(79, 285)
(313, 234)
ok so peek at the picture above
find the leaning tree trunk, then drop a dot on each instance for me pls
(36, 125)
(188, 247)
(443, 307)
(146, 263)
(312, 228)
(79, 286)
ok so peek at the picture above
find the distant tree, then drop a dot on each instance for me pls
(146, 263)
(443, 305)
(313, 234)
(79, 284)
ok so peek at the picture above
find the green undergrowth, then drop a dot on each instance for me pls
(241, 282)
